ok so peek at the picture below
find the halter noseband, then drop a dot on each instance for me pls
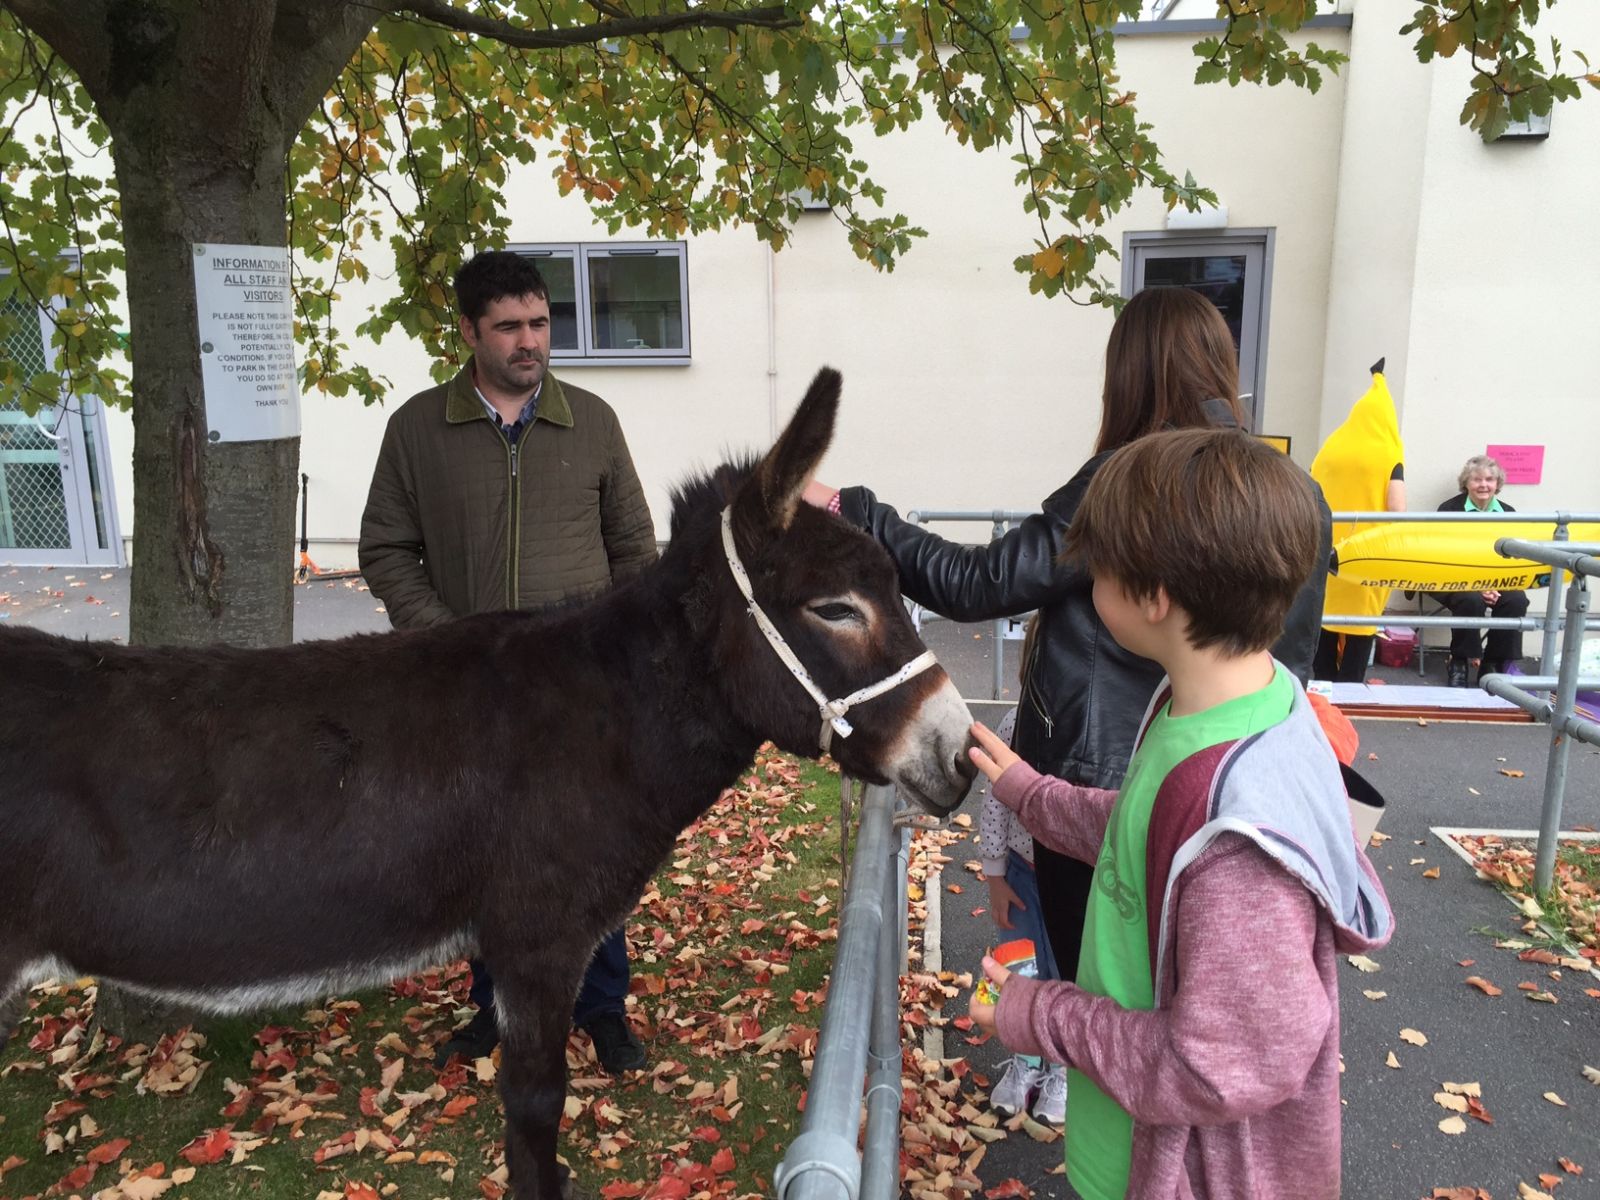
(831, 711)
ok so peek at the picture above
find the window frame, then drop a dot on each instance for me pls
(1257, 246)
(581, 255)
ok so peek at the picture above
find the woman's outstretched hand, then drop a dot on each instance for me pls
(819, 494)
(991, 755)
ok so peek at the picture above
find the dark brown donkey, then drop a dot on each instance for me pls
(240, 828)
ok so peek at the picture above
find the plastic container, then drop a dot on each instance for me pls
(1018, 957)
(1397, 646)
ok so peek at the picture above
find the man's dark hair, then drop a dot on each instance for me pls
(493, 274)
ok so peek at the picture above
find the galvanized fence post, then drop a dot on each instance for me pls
(822, 1163)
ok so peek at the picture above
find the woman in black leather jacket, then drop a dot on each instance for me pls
(1170, 363)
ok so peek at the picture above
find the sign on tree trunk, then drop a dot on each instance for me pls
(246, 320)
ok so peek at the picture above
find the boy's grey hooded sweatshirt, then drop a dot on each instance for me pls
(1256, 886)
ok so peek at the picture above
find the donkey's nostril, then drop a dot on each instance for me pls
(964, 767)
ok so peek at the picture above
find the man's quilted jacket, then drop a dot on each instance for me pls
(460, 521)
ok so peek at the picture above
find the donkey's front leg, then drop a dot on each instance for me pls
(534, 1024)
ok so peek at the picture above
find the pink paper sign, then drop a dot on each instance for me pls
(1522, 464)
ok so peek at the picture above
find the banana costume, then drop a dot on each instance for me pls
(1353, 467)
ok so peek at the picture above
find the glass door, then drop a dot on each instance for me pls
(55, 481)
(1232, 270)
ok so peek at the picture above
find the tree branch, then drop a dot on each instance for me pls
(74, 31)
(771, 17)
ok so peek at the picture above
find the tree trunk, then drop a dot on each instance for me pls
(213, 523)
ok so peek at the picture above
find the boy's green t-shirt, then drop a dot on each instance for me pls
(1115, 959)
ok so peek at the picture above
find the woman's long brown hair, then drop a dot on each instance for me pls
(1169, 352)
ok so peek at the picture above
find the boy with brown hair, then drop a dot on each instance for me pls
(1202, 1035)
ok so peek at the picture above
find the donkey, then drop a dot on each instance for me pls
(233, 829)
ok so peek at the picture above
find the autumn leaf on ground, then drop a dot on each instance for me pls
(1555, 1099)
(1592, 1074)
(108, 1151)
(1453, 1126)
(1456, 1104)
(1570, 1167)
(208, 1147)
(1527, 1191)
(1463, 1089)
(1392, 1061)
(1483, 985)
(1372, 995)
(1460, 1193)
(1008, 1189)
(1415, 1036)
(1431, 873)
(1511, 773)
(1362, 963)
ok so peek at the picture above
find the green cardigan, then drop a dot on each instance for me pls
(456, 523)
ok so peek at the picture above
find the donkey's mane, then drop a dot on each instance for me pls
(709, 492)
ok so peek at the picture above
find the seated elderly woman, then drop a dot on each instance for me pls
(1480, 482)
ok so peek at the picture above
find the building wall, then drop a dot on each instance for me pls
(962, 390)
(1398, 234)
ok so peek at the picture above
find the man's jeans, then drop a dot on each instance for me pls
(605, 985)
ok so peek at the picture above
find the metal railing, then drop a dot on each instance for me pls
(1002, 519)
(1560, 711)
(860, 1037)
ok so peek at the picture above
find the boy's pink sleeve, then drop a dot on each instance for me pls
(1246, 1023)
(1066, 817)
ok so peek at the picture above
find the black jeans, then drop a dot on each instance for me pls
(1504, 645)
(1351, 666)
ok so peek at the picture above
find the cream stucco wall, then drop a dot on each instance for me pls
(1471, 267)
(962, 390)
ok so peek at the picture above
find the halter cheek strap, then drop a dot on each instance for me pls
(832, 712)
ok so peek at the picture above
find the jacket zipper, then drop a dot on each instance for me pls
(513, 522)
(1032, 689)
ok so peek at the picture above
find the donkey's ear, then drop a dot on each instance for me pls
(773, 493)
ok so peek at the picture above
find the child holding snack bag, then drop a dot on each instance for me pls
(1202, 1034)
(1014, 905)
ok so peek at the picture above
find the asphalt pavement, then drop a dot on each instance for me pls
(1434, 775)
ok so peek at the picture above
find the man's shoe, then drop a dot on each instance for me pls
(1050, 1106)
(476, 1039)
(1456, 673)
(614, 1043)
(1010, 1095)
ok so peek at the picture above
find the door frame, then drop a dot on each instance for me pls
(1196, 243)
(67, 423)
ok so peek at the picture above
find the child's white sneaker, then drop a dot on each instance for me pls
(1050, 1106)
(1010, 1095)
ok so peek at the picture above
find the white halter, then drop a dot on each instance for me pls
(831, 711)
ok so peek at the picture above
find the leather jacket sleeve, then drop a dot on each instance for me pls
(1011, 574)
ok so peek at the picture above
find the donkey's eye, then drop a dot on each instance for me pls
(835, 612)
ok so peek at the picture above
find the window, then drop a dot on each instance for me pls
(616, 303)
(1232, 269)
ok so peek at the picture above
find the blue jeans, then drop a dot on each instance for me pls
(605, 984)
(1029, 922)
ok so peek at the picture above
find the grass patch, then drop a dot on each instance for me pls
(730, 947)
(1571, 907)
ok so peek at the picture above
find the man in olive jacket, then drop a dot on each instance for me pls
(505, 489)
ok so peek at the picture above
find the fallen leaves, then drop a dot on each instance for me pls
(1483, 985)
(1362, 963)
(1555, 1099)
(1414, 1036)
(1454, 1126)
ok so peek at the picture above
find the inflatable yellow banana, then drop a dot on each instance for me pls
(1447, 557)
(1354, 467)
